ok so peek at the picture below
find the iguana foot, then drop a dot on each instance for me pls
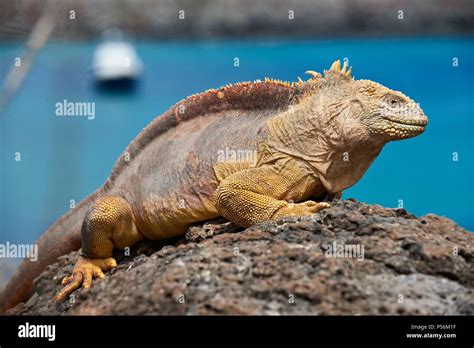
(108, 224)
(301, 209)
(84, 271)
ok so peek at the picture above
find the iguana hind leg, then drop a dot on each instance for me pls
(108, 224)
(255, 195)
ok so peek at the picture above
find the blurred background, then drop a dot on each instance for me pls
(132, 60)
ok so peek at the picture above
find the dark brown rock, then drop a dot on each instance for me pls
(394, 263)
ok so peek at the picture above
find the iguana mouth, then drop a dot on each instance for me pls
(410, 124)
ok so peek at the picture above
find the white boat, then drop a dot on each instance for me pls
(116, 60)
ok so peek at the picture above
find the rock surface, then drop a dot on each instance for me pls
(381, 261)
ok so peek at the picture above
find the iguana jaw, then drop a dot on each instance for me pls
(402, 128)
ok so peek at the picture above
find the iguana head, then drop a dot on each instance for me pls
(370, 109)
(387, 113)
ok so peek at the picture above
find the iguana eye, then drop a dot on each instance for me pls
(393, 102)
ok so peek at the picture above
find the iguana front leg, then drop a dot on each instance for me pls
(257, 194)
(107, 225)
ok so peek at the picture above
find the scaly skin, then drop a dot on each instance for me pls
(298, 143)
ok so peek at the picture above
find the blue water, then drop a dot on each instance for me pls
(67, 158)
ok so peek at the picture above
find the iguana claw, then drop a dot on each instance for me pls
(84, 271)
(301, 209)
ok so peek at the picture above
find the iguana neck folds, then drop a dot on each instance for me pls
(322, 141)
(295, 134)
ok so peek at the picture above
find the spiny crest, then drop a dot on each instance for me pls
(220, 91)
(267, 81)
(334, 75)
(336, 71)
(314, 75)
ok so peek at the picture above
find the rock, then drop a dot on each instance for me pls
(352, 258)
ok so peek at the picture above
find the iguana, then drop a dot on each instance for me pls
(249, 152)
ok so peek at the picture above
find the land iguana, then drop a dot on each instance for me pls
(306, 140)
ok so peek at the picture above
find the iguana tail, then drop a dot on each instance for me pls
(61, 238)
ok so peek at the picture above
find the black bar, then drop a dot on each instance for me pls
(290, 330)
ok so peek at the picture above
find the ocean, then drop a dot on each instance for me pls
(49, 162)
